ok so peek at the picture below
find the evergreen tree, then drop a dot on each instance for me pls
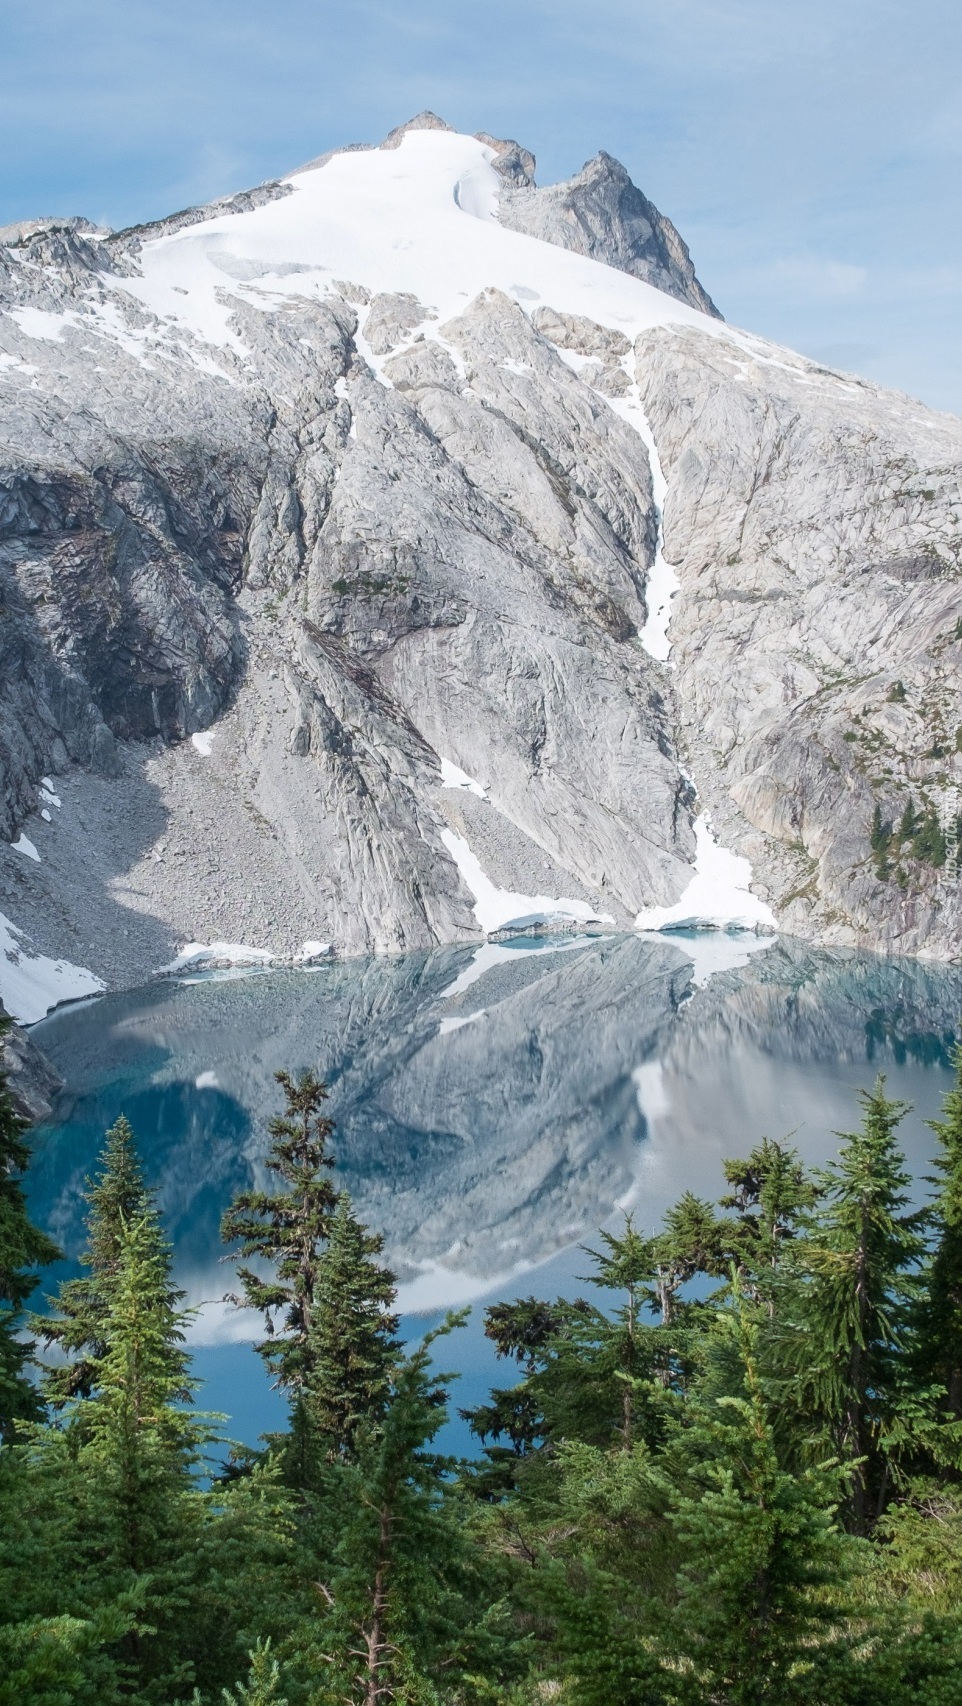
(288, 1229)
(690, 1243)
(398, 1617)
(103, 1511)
(523, 1332)
(770, 1194)
(140, 1445)
(351, 1340)
(591, 1374)
(940, 1312)
(761, 1565)
(23, 1249)
(844, 1348)
(264, 1682)
(117, 1198)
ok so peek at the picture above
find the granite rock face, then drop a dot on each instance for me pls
(31, 1080)
(350, 534)
(816, 525)
(602, 214)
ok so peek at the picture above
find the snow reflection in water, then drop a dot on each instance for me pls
(606, 1077)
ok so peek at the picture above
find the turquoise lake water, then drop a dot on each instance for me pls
(494, 1106)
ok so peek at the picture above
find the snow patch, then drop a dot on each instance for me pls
(452, 776)
(206, 1081)
(501, 909)
(23, 844)
(420, 218)
(312, 951)
(227, 956)
(719, 895)
(663, 581)
(500, 953)
(195, 955)
(454, 1022)
(42, 323)
(203, 743)
(31, 984)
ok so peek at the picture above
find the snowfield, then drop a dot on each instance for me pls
(420, 218)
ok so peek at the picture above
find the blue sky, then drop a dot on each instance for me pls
(809, 152)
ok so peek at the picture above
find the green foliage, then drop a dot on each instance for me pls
(842, 1339)
(939, 1311)
(770, 1195)
(692, 1242)
(689, 1500)
(116, 1199)
(23, 1249)
(919, 836)
(351, 1343)
(762, 1566)
(288, 1228)
(264, 1682)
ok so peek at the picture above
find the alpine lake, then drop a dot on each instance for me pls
(495, 1107)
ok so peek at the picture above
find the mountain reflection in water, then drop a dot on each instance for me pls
(495, 1106)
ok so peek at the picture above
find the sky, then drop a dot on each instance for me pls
(809, 152)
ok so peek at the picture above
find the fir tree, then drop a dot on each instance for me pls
(940, 1311)
(117, 1197)
(853, 1285)
(351, 1340)
(690, 1243)
(140, 1445)
(591, 1374)
(288, 1229)
(761, 1563)
(627, 1266)
(524, 1332)
(264, 1682)
(770, 1194)
(23, 1249)
(395, 1615)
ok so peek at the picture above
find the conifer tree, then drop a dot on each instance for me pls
(139, 1447)
(288, 1228)
(761, 1564)
(940, 1312)
(117, 1197)
(23, 1249)
(351, 1340)
(690, 1243)
(264, 1681)
(770, 1194)
(589, 1372)
(394, 1611)
(844, 1351)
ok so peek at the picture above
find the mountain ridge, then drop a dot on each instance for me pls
(380, 488)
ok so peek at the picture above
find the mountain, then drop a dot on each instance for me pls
(400, 550)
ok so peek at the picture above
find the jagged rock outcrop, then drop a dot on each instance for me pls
(31, 1080)
(602, 214)
(352, 481)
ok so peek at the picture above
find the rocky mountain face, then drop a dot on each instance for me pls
(401, 549)
(601, 213)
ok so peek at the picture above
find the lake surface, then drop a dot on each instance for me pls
(495, 1106)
